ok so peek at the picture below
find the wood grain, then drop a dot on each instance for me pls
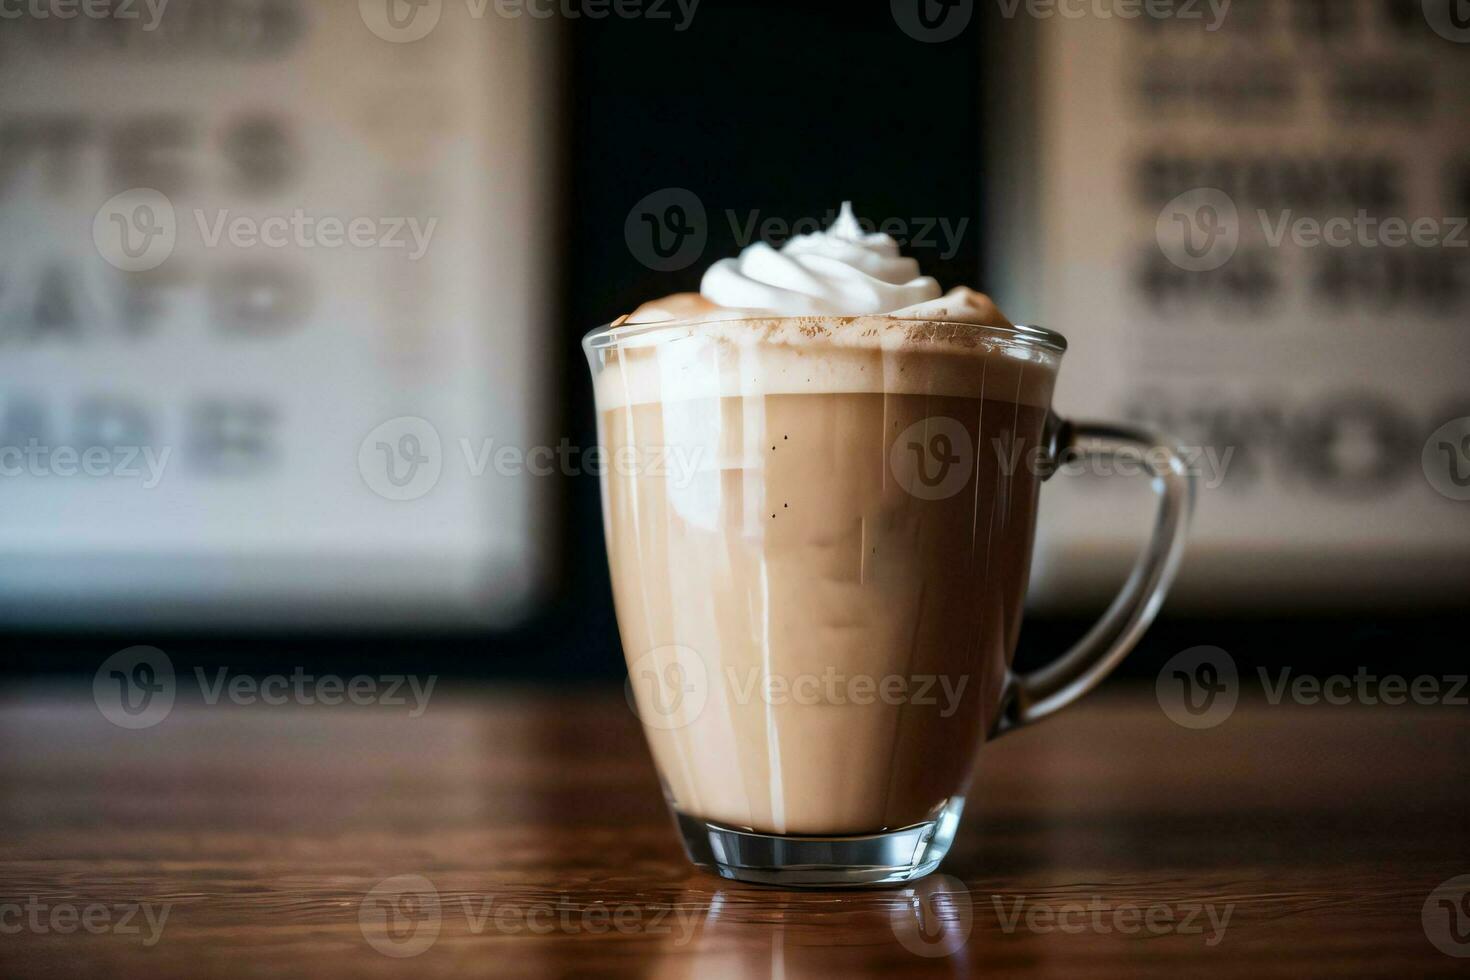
(1313, 835)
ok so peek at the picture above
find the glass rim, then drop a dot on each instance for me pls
(612, 335)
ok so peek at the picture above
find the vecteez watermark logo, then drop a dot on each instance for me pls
(301, 688)
(403, 916)
(1450, 19)
(1446, 917)
(1199, 688)
(1446, 460)
(139, 229)
(145, 920)
(401, 21)
(37, 460)
(1364, 687)
(1207, 465)
(1362, 230)
(1210, 13)
(137, 687)
(667, 230)
(1199, 231)
(936, 917)
(404, 458)
(932, 21)
(300, 230)
(1202, 229)
(1105, 917)
(136, 230)
(933, 918)
(669, 687)
(147, 13)
(834, 688)
(405, 21)
(934, 458)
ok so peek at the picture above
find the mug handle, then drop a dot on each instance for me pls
(1034, 696)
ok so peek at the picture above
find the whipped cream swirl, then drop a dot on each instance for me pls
(842, 271)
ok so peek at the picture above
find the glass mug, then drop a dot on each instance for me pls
(820, 531)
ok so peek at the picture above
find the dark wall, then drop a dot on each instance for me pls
(786, 123)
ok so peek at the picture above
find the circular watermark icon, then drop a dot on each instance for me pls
(1446, 917)
(935, 917)
(1449, 18)
(667, 687)
(1199, 230)
(1199, 688)
(1446, 459)
(932, 21)
(933, 459)
(136, 230)
(400, 21)
(135, 688)
(667, 230)
(402, 459)
(400, 917)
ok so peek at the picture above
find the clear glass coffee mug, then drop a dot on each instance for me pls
(820, 532)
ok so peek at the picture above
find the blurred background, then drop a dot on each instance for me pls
(291, 296)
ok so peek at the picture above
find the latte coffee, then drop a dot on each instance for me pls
(820, 590)
(819, 503)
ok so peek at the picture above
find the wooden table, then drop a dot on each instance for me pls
(1289, 841)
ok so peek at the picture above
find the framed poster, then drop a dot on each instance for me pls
(1252, 229)
(275, 275)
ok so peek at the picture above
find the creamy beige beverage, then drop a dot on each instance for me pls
(819, 502)
(819, 590)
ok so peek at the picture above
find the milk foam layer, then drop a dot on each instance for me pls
(959, 305)
(820, 355)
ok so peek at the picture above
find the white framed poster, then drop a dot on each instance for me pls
(275, 273)
(1251, 227)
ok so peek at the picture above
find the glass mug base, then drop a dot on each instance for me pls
(821, 862)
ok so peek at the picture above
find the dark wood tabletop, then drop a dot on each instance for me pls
(521, 834)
